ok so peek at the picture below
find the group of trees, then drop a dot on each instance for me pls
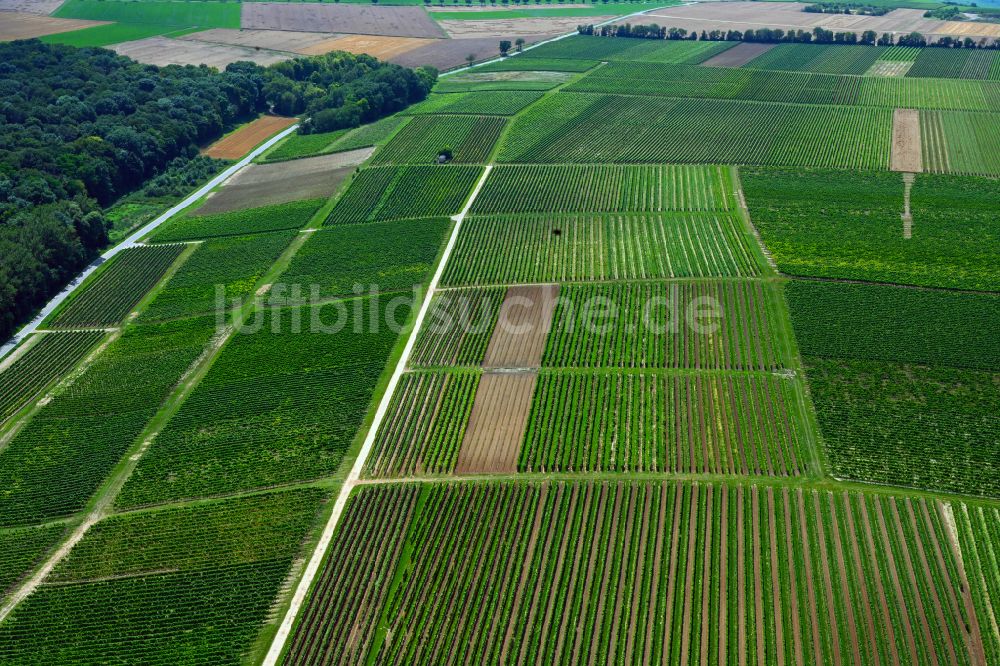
(777, 35)
(847, 8)
(80, 128)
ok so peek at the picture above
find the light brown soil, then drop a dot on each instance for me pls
(522, 327)
(906, 152)
(273, 40)
(237, 144)
(447, 54)
(496, 424)
(24, 25)
(163, 51)
(377, 46)
(42, 7)
(350, 19)
(889, 68)
(503, 28)
(265, 184)
(738, 56)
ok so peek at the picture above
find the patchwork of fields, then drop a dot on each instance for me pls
(664, 365)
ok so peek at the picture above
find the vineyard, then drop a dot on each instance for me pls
(458, 327)
(617, 129)
(604, 188)
(977, 535)
(48, 356)
(957, 64)
(503, 250)
(280, 217)
(310, 145)
(422, 140)
(823, 59)
(186, 584)
(698, 325)
(22, 549)
(967, 143)
(640, 573)
(384, 257)
(481, 103)
(714, 424)
(385, 193)
(598, 48)
(531, 63)
(113, 292)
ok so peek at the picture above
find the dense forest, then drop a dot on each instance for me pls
(79, 128)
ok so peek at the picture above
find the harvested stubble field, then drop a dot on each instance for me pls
(268, 184)
(539, 28)
(24, 25)
(237, 144)
(163, 51)
(640, 572)
(347, 18)
(305, 43)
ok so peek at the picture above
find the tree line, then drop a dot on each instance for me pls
(80, 128)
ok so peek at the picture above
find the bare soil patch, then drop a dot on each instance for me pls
(26, 25)
(497, 422)
(42, 7)
(503, 28)
(447, 54)
(351, 19)
(266, 184)
(889, 68)
(906, 141)
(273, 40)
(163, 51)
(522, 327)
(738, 56)
(377, 46)
(237, 144)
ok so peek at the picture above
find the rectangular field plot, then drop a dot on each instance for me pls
(523, 325)
(720, 325)
(604, 188)
(235, 263)
(693, 423)
(978, 531)
(496, 423)
(503, 80)
(640, 573)
(956, 64)
(961, 142)
(484, 103)
(46, 357)
(385, 193)
(471, 138)
(530, 63)
(293, 215)
(112, 294)
(824, 59)
(582, 128)
(308, 145)
(74, 441)
(908, 425)
(581, 47)
(186, 585)
(21, 550)
(458, 327)
(506, 250)
(425, 425)
(282, 402)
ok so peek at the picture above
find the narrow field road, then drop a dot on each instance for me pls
(132, 241)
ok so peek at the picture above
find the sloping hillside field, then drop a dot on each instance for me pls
(614, 351)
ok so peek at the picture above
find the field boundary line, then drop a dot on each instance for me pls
(132, 240)
(319, 553)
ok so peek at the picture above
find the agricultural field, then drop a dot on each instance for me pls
(76, 438)
(504, 250)
(575, 127)
(956, 64)
(113, 33)
(235, 263)
(114, 292)
(292, 215)
(503, 80)
(470, 138)
(823, 59)
(840, 224)
(241, 141)
(315, 367)
(154, 12)
(382, 257)
(385, 193)
(22, 549)
(581, 48)
(459, 325)
(491, 103)
(186, 584)
(46, 356)
(964, 143)
(533, 63)
(639, 571)
(977, 533)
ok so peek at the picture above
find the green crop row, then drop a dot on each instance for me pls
(644, 573)
(112, 294)
(194, 584)
(308, 145)
(531, 63)
(228, 266)
(280, 217)
(978, 530)
(54, 464)
(956, 64)
(696, 325)
(47, 358)
(604, 188)
(966, 143)
(383, 257)
(425, 424)
(470, 138)
(282, 402)
(585, 48)
(711, 424)
(481, 103)
(154, 12)
(385, 193)
(570, 127)
(21, 550)
(458, 327)
(822, 59)
(505, 250)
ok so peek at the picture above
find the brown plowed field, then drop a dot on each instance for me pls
(522, 328)
(272, 40)
(738, 56)
(351, 19)
(451, 53)
(377, 46)
(496, 425)
(237, 144)
(163, 51)
(25, 25)
(905, 154)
